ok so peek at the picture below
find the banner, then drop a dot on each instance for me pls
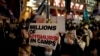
(60, 20)
(61, 24)
(43, 34)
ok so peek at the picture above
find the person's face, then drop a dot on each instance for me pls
(86, 26)
(25, 33)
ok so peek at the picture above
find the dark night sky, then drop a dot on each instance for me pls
(12, 5)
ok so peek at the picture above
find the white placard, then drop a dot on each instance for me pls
(43, 34)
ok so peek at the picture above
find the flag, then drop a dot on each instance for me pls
(85, 13)
(85, 16)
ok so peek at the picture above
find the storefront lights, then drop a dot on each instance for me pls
(30, 4)
(58, 15)
(59, 3)
(34, 8)
(81, 7)
(33, 1)
(77, 6)
(72, 4)
(56, 3)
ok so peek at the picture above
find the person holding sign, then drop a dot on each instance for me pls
(24, 48)
(44, 35)
(69, 44)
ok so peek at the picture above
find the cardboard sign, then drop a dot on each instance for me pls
(43, 34)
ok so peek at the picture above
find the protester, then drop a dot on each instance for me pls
(69, 45)
(15, 41)
(98, 43)
(25, 50)
(88, 35)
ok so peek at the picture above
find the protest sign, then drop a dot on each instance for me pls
(61, 24)
(60, 20)
(43, 34)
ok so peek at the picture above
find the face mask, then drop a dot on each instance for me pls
(48, 53)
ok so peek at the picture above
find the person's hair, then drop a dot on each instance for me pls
(85, 24)
(71, 28)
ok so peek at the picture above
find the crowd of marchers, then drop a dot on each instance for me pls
(78, 40)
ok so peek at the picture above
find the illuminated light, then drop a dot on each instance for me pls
(72, 4)
(64, 3)
(62, 15)
(32, 1)
(48, 3)
(29, 4)
(27, 9)
(26, 15)
(56, 2)
(80, 18)
(81, 7)
(34, 8)
(39, 3)
(76, 16)
(71, 13)
(76, 6)
(59, 3)
(58, 15)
